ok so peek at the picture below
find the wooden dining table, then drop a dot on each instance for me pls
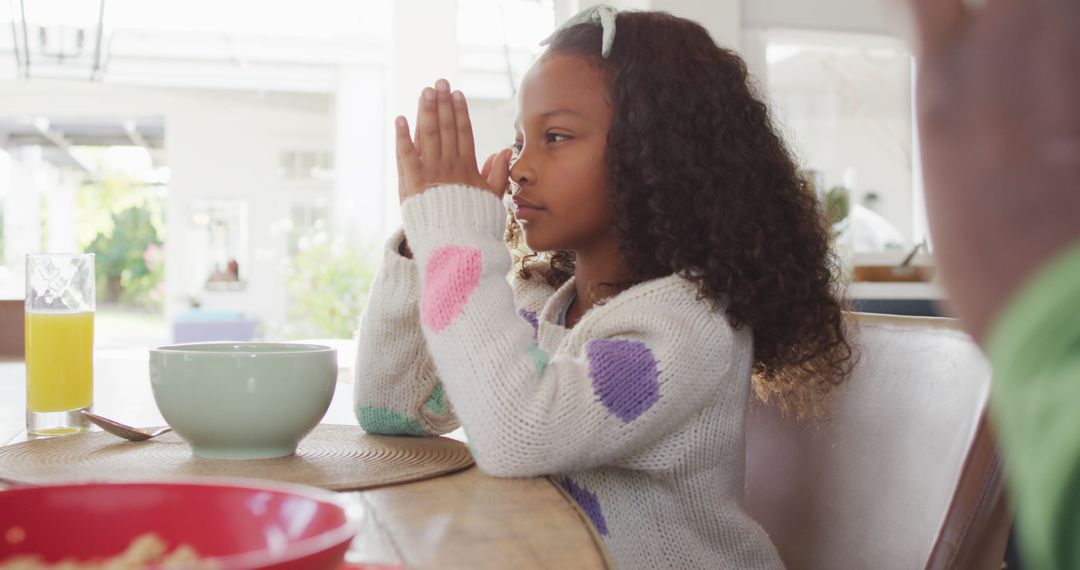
(463, 520)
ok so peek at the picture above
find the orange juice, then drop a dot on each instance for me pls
(59, 360)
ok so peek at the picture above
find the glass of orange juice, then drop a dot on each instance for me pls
(59, 342)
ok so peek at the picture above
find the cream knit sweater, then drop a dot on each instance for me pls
(637, 411)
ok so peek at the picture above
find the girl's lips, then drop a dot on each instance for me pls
(526, 213)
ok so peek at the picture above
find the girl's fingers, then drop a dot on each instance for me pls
(408, 161)
(486, 170)
(499, 176)
(464, 126)
(447, 124)
(416, 137)
(427, 118)
(400, 171)
(937, 21)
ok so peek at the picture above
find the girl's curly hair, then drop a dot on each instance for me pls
(704, 187)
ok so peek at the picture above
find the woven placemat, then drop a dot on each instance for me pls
(336, 457)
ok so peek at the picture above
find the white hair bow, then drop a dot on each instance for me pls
(602, 15)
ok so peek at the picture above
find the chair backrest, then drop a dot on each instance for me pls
(903, 474)
(11, 327)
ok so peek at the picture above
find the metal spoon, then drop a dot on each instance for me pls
(124, 431)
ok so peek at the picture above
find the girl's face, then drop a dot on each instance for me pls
(561, 199)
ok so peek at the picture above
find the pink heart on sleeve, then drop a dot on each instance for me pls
(451, 275)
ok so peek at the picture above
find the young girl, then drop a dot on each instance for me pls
(678, 253)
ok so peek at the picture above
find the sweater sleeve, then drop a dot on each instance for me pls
(1035, 350)
(639, 377)
(397, 391)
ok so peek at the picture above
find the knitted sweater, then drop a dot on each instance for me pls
(637, 411)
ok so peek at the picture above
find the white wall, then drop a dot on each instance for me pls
(19, 174)
(859, 16)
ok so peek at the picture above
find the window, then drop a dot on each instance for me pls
(845, 104)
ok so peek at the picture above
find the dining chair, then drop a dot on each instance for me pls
(11, 327)
(903, 472)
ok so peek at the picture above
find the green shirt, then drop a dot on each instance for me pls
(1035, 350)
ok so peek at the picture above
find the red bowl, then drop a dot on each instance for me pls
(235, 524)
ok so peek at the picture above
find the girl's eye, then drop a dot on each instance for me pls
(556, 137)
(515, 150)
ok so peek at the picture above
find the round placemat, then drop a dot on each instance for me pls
(335, 457)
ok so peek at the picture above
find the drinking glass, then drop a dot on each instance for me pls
(59, 342)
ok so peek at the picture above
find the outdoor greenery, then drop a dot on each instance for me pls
(328, 282)
(128, 259)
(121, 221)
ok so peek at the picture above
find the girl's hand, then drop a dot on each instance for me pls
(496, 171)
(443, 152)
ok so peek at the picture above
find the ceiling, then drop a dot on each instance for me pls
(57, 137)
(255, 44)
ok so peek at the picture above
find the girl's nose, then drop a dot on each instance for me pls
(520, 171)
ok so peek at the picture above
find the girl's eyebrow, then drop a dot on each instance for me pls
(562, 111)
(552, 113)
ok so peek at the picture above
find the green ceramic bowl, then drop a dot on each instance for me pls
(243, 400)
